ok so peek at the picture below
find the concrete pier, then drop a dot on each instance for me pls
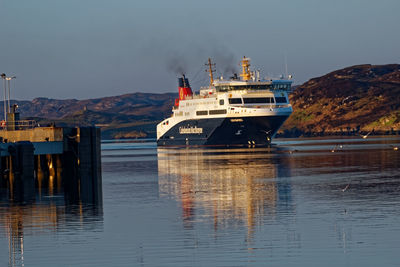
(52, 156)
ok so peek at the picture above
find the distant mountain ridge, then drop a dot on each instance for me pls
(127, 104)
(352, 100)
(134, 115)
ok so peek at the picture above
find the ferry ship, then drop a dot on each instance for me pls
(240, 111)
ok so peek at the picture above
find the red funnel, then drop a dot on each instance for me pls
(184, 89)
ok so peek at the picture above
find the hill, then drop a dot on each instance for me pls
(360, 98)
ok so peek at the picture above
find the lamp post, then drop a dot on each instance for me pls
(9, 94)
(3, 76)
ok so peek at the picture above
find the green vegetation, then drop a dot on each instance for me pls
(302, 116)
(386, 121)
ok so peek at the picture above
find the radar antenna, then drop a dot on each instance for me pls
(245, 69)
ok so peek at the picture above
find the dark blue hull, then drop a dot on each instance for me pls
(239, 131)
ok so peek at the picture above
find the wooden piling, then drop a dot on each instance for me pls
(90, 164)
(21, 168)
(74, 161)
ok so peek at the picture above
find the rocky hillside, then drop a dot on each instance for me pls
(356, 99)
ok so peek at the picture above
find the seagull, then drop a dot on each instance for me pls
(333, 149)
(266, 132)
(239, 132)
(347, 186)
(365, 136)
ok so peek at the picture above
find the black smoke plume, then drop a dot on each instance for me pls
(176, 63)
(226, 60)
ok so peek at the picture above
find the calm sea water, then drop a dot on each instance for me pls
(303, 202)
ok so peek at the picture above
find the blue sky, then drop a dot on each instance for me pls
(95, 48)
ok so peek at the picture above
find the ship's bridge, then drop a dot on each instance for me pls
(225, 86)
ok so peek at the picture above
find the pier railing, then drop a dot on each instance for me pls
(18, 125)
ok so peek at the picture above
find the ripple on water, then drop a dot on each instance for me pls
(295, 204)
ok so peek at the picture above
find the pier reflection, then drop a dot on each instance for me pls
(233, 187)
(53, 204)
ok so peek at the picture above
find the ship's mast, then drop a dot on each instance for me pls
(245, 69)
(210, 70)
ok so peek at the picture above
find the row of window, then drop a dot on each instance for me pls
(252, 100)
(257, 100)
(211, 112)
(235, 101)
(199, 103)
(225, 88)
(247, 100)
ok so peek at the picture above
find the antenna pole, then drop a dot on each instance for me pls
(286, 66)
(210, 70)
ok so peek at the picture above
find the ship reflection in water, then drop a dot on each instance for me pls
(233, 188)
(293, 204)
(57, 207)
